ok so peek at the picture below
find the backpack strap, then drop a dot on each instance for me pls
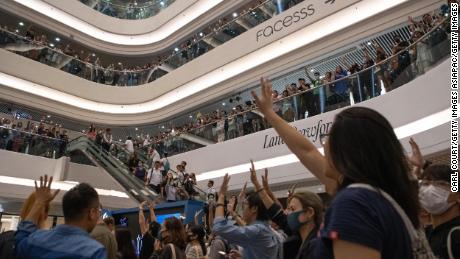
(407, 222)
(173, 250)
(449, 242)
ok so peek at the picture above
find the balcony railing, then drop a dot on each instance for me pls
(117, 74)
(327, 94)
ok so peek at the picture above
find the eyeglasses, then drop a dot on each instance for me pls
(323, 138)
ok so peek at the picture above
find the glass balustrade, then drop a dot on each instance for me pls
(118, 74)
(130, 10)
(343, 88)
(30, 143)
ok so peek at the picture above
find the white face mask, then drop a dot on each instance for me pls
(434, 199)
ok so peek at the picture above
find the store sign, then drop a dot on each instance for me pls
(313, 133)
(300, 16)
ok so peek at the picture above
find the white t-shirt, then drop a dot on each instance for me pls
(155, 156)
(155, 177)
(129, 145)
(212, 191)
(170, 193)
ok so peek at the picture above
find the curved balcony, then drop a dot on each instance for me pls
(117, 74)
(131, 11)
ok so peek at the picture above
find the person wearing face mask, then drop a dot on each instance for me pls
(375, 211)
(302, 222)
(170, 243)
(444, 207)
(196, 248)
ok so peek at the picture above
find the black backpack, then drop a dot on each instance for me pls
(7, 245)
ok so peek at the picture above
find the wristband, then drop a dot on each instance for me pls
(219, 204)
(261, 189)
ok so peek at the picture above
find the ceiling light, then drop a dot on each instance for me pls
(48, 116)
(17, 31)
(223, 104)
(162, 3)
(191, 116)
(57, 39)
(136, 129)
(162, 127)
(201, 34)
(312, 70)
(21, 24)
(119, 63)
(93, 54)
(235, 14)
(51, 45)
(176, 49)
(369, 43)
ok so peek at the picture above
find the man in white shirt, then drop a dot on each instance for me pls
(155, 178)
(154, 155)
(129, 145)
(211, 192)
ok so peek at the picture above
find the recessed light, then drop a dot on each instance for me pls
(48, 116)
(21, 24)
(51, 45)
(162, 3)
(93, 54)
(17, 31)
(369, 43)
(119, 63)
(162, 127)
(201, 34)
(136, 129)
(57, 39)
(312, 70)
(235, 14)
(223, 104)
(176, 49)
(191, 116)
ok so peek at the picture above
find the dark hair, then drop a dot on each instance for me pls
(176, 232)
(301, 79)
(310, 199)
(109, 221)
(79, 199)
(124, 242)
(364, 149)
(254, 200)
(437, 173)
(200, 233)
(211, 181)
(129, 138)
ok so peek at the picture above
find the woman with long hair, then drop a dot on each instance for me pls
(196, 248)
(361, 148)
(171, 240)
(125, 244)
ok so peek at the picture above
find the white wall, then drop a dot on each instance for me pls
(24, 166)
(422, 97)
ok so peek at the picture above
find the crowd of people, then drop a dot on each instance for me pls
(89, 66)
(29, 137)
(317, 93)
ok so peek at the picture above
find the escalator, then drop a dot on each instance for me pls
(112, 165)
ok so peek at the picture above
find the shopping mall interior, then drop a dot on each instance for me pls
(228, 129)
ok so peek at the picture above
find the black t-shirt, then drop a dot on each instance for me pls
(366, 218)
(438, 239)
(147, 246)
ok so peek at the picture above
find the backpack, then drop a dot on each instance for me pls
(449, 242)
(7, 245)
(419, 244)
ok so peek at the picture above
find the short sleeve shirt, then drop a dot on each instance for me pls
(366, 218)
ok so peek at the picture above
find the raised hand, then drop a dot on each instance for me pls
(224, 186)
(416, 159)
(254, 179)
(152, 204)
(265, 100)
(265, 180)
(43, 194)
(242, 194)
(291, 190)
(142, 205)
